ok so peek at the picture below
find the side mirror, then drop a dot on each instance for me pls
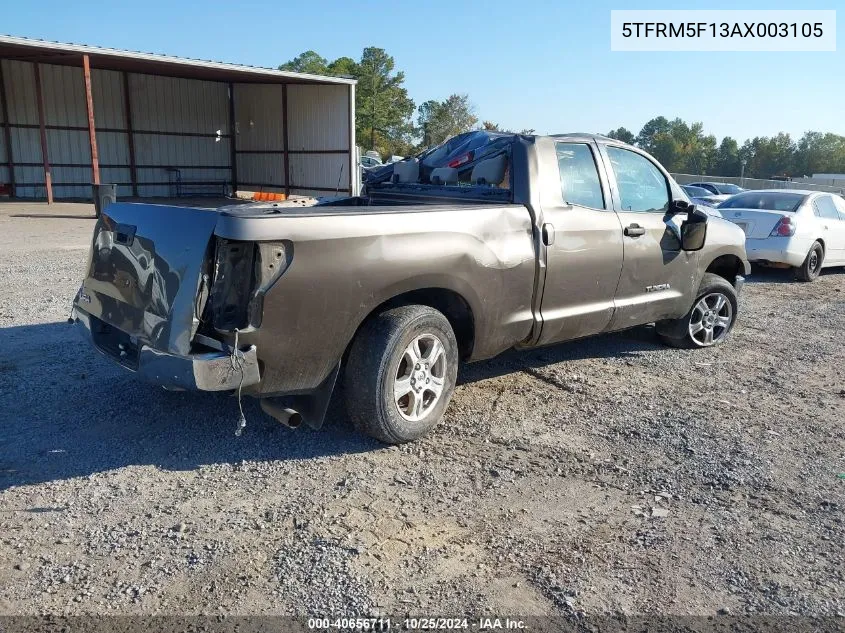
(694, 230)
(680, 206)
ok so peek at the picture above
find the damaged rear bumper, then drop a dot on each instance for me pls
(205, 371)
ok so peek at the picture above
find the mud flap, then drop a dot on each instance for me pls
(312, 406)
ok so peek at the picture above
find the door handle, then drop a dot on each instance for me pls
(634, 230)
(548, 234)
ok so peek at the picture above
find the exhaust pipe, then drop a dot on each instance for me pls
(289, 417)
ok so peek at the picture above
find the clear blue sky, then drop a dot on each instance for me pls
(525, 64)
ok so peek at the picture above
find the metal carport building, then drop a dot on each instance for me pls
(159, 126)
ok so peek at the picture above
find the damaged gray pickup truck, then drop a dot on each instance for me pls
(484, 243)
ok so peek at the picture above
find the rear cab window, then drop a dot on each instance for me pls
(579, 176)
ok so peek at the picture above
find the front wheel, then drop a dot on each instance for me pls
(401, 373)
(710, 319)
(812, 266)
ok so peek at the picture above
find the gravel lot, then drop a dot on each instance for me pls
(607, 475)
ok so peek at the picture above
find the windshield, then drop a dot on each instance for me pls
(765, 200)
(729, 189)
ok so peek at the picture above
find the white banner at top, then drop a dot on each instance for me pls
(722, 30)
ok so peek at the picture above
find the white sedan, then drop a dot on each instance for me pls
(790, 227)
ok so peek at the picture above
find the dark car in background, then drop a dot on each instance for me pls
(718, 188)
(704, 197)
(461, 153)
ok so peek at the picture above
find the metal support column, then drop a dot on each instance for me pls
(233, 151)
(39, 97)
(130, 135)
(285, 138)
(92, 130)
(7, 133)
(354, 172)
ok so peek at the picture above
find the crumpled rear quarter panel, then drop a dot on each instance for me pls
(345, 265)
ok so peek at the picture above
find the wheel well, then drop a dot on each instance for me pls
(453, 306)
(824, 246)
(727, 267)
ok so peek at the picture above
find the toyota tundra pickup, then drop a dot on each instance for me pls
(485, 243)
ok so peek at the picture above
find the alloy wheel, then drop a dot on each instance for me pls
(420, 377)
(710, 319)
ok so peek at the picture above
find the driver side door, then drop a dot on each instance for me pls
(658, 278)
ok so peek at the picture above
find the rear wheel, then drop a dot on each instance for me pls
(812, 266)
(709, 320)
(401, 373)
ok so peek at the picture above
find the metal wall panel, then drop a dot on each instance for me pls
(323, 171)
(68, 146)
(149, 175)
(119, 176)
(258, 117)
(26, 146)
(318, 117)
(63, 88)
(155, 149)
(169, 104)
(261, 169)
(28, 176)
(109, 113)
(182, 107)
(155, 191)
(4, 158)
(113, 148)
(109, 102)
(64, 192)
(187, 115)
(20, 92)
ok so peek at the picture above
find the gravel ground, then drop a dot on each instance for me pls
(610, 475)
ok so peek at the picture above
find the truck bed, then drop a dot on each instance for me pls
(296, 281)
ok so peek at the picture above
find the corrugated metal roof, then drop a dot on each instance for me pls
(100, 57)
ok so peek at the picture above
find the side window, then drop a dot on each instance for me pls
(840, 206)
(825, 208)
(642, 187)
(579, 177)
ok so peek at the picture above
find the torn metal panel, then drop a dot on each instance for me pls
(146, 271)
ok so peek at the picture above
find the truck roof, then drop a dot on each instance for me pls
(585, 136)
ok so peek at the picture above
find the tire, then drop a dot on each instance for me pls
(714, 310)
(381, 364)
(812, 266)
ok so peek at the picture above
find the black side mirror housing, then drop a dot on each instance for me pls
(694, 229)
(680, 206)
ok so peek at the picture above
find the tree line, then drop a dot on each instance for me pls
(684, 148)
(389, 121)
